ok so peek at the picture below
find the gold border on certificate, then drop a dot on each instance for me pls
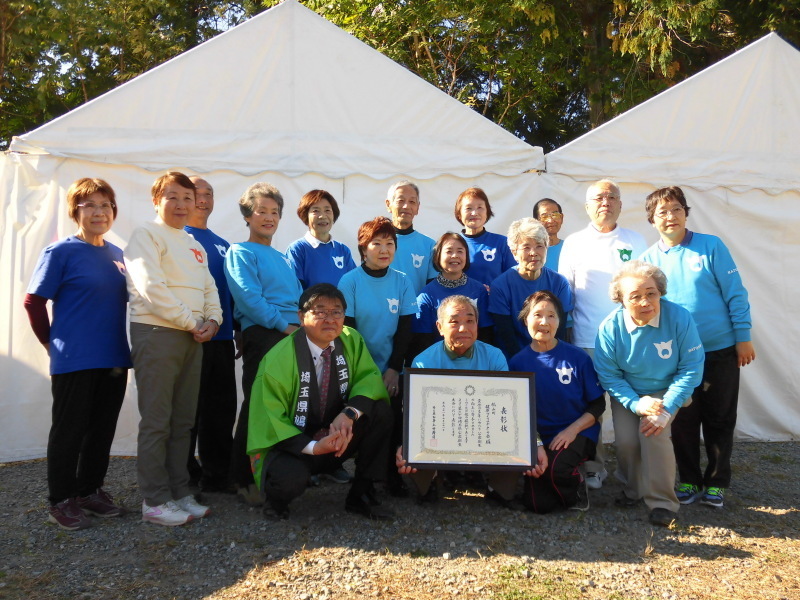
(469, 419)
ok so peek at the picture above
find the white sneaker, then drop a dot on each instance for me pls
(191, 506)
(595, 480)
(169, 514)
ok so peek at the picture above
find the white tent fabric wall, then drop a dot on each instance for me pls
(34, 215)
(727, 136)
(286, 97)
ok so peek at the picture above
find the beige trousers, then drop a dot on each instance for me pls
(645, 465)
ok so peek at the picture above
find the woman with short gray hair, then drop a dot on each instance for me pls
(528, 241)
(649, 358)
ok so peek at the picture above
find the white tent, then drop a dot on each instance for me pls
(729, 138)
(286, 97)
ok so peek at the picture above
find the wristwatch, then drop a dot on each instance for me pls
(350, 413)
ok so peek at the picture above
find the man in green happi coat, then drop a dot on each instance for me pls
(319, 399)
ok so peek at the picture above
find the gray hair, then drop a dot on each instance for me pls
(636, 269)
(455, 299)
(602, 182)
(527, 229)
(401, 183)
(247, 202)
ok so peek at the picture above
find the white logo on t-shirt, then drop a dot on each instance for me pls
(488, 254)
(696, 262)
(338, 262)
(664, 349)
(565, 375)
(394, 305)
(221, 249)
(417, 258)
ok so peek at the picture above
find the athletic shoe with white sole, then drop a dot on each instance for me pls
(714, 497)
(169, 514)
(688, 493)
(194, 508)
(595, 480)
(100, 504)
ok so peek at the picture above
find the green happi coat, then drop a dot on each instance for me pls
(273, 400)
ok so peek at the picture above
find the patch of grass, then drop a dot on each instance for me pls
(520, 583)
(775, 459)
(419, 553)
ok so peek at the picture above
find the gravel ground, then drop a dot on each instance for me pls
(459, 548)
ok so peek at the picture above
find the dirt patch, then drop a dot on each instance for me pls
(461, 547)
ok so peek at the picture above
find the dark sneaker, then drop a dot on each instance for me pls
(339, 475)
(68, 515)
(275, 511)
(625, 502)
(714, 497)
(687, 493)
(100, 504)
(662, 517)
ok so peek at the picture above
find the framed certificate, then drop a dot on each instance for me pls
(456, 419)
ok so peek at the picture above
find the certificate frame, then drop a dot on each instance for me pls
(441, 430)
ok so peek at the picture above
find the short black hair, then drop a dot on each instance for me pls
(320, 290)
(542, 201)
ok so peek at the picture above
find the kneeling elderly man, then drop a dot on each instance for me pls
(457, 321)
(317, 400)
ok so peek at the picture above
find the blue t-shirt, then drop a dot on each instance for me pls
(376, 304)
(319, 262)
(489, 256)
(705, 281)
(566, 383)
(264, 287)
(633, 361)
(90, 300)
(510, 290)
(432, 295)
(414, 257)
(216, 248)
(485, 357)
(553, 254)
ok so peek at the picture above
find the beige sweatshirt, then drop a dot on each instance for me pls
(169, 283)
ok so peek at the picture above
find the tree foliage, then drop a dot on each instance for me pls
(547, 70)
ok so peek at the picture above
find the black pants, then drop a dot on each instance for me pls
(86, 406)
(714, 405)
(558, 486)
(286, 474)
(256, 342)
(212, 433)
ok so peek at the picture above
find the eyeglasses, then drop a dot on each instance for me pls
(675, 212)
(554, 216)
(91, 206)
(610, 197)
(336, 313)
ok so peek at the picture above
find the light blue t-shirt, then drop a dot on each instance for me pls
(633, 361)
(414, 257)
(553, 254)
(566, 383)
(216, 248)
(90, 303)
(263, 284)
(376, 304)
(489, 256)
(432, 295)
(319, 262)
(703, 279)
(485, 357)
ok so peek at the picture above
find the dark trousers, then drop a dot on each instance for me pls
(286, 474)
(558, 486)
(256, 342)
(714, 405)
(212, 433)
(86, 405)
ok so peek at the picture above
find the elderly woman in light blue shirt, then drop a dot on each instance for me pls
(649, 357)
